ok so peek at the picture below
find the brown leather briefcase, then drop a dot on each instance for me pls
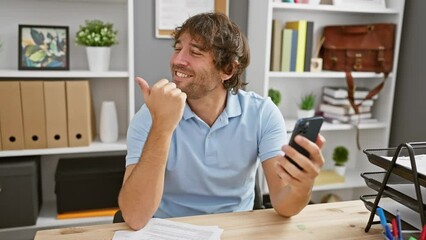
(366, 48)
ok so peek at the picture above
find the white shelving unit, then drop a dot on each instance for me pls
(293, 85)
(116, 85)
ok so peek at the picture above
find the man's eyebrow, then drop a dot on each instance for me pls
(176, 42)
(199, 46)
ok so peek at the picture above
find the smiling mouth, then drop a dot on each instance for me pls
(182, 75)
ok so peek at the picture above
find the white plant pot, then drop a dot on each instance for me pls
(314, 2)
(108, 126)
(98, 58)
(340, 170)
(305, 113)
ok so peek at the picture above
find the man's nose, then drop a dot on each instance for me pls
(181, 57)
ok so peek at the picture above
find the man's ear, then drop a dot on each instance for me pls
(229, 71)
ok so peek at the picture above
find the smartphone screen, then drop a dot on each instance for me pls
(307, 127)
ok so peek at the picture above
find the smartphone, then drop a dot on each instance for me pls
(308, 128)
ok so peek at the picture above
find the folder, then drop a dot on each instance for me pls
(32, 97)
(12, 131)
(56, 114)
(276, 45)
(79, 113)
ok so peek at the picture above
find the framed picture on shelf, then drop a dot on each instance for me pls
(43, 47)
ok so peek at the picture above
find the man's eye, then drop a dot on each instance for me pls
(177, 49)
(196, 53)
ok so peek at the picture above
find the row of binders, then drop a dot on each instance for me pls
(291, 46)
(45, 114)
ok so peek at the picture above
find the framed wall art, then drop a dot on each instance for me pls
(43, 47)
(172, 13)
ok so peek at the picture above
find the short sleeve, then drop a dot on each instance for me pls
(273, 132)
(137, 134)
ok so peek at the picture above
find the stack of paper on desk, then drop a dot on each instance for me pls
(165, 229)
(405, 161)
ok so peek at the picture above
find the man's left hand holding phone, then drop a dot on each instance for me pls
(299, 169)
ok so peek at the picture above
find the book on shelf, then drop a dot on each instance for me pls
(286, 49)
(342, 92)
(347, 118)
(342, 109)
(276, 45)
(309, 45)
(300, 26)
(293, 54)
(345, 101)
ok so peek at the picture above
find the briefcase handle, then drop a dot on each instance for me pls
(351, 90)
(364, 29)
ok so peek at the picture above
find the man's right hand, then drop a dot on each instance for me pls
(164, 101)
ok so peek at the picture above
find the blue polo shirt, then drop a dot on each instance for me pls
(212, 169)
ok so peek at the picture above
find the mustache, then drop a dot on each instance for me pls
(181, 69)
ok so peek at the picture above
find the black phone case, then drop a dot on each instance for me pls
(308, 128)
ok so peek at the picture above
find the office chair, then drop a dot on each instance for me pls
(258, 203)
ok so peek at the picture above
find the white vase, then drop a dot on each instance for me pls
(340, 170)
(305, 113)
(108, 126)
(314, 2)
(98, 58)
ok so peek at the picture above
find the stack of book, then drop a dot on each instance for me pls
(337, 109)
(291, 46)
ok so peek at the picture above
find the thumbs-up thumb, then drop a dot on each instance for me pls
(143, 85)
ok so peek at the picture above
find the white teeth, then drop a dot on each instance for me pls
(182, 75)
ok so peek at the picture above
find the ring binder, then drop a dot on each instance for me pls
(392, 168)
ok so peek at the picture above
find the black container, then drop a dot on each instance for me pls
(20, 193)
(88, 183)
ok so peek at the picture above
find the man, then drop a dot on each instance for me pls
(193, 147)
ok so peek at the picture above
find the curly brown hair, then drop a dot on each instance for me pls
(220, 35)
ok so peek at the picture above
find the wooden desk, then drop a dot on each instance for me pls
(343, 220)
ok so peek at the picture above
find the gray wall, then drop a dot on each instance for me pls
(409, 114)
(152, 54)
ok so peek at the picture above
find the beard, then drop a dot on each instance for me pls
(200, 83)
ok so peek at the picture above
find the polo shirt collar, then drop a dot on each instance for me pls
(233, 105)
(232, 109)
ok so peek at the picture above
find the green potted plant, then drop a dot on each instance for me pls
(340, 157)
(275, 96)
(97, 37)
(306, 106)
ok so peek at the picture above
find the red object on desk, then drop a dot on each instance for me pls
(395, 228)
(423, 234)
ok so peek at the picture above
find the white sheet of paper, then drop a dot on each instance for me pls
(172, 13)
(405, 161)
(158, 228)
